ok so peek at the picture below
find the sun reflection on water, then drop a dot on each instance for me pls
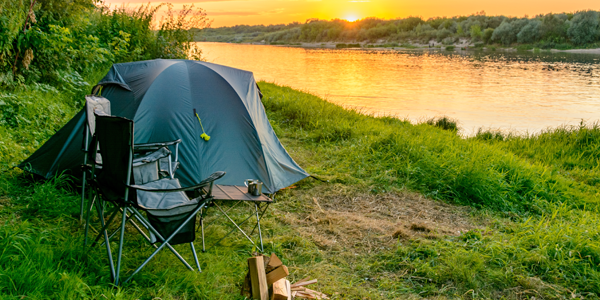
(507, 91)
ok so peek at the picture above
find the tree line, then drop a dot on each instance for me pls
(545, 30)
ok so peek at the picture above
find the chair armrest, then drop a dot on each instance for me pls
(209, 180)
(154, 146)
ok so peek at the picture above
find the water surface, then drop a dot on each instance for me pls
(510, 91)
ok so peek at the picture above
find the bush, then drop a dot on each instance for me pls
(443, 33)
(553, 27)
(584, 27)
(51, 40)
(444, 122)
(487, 35)
(530, 32)
(476, 33)
(503, 33)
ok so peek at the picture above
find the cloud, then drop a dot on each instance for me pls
(245, 13)
(188, 2)
(233, 13)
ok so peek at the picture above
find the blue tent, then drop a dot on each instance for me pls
(160, 96)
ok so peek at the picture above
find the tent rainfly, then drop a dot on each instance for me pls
(160, 96)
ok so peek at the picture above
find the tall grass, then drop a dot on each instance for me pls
(550, 246)
(385, 154)
(572, 150)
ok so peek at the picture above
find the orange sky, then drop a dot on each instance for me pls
(253, 12)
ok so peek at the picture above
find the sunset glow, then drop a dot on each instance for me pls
(351, 18)
(254, 12)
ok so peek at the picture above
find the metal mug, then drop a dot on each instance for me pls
(254, 187)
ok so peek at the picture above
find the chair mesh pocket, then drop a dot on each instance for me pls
(167, 225)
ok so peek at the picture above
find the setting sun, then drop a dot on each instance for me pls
(351, 18)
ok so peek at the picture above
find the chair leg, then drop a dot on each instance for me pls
(87, 220)
(100, 209)
(123, 221)
(135, 225)
(105, 225)
(82, 199)
(147, 224)
(165, 242)
(195, 257)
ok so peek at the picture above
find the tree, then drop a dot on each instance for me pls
(584, 27)
(487, 35)
(504, 33)
(530, 32)
(476, 33)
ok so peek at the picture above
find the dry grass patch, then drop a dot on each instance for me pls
(372, 222)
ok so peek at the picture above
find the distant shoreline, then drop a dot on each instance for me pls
(464, 45)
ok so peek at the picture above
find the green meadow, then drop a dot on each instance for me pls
(526, 207)
(402, 210)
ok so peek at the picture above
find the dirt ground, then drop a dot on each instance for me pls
(371, 222)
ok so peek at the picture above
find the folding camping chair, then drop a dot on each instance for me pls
(171, 214)
(152, 161)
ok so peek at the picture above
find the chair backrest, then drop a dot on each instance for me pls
(115, 140)
(95, 105)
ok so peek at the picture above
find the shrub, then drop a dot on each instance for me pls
(487, 35)
(47, 41)
(476, 33)
(443, 33)
(444, 122)
(584, 27)
(553, 27)
(530, 32)
(503, 33)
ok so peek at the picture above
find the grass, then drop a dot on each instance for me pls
(526, 208)
(342, 46)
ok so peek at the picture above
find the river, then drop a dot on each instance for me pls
(508, 91)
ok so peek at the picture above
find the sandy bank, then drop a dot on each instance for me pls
(589, 51)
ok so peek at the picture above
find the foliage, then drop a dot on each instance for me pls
(487, 35)
(584, 27)
(444, 122)
(530, 32)
(476, 33)
(50, 41)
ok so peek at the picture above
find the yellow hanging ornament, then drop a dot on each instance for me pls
(204, 136)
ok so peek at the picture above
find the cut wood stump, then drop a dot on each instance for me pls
(258, 278)
(278, 273)
(279, 290)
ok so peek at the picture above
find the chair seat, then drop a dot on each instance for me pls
(165, 204)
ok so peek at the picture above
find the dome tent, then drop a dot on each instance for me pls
(160, 96)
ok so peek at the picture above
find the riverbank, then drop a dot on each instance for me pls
(433, 45)
(409, 211)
